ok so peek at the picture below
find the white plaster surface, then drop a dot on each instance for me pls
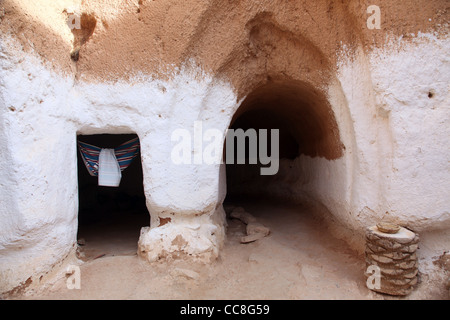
(42, 112)
(417, 170)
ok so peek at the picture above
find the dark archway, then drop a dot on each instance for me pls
(306, 125)
(110, 218)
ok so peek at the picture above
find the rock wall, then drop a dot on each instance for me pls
(151, 67)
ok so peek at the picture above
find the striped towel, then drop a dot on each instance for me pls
(125, 153)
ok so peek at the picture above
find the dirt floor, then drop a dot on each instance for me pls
(298, 260)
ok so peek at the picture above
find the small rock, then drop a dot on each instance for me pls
(412, 248)
(388, 245)
(375, 249)
(392, 272)
(241, 214)
(397, 255)
(184, 273)
(407, 265)
(387, 227)
(256, 227)
(381, 259)
(252, 237)
(412, 274)
(401, 282)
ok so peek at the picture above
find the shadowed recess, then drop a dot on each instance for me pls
(302, 114)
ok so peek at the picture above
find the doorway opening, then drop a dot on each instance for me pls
(306, 125)
(110, 218)
(308, 136)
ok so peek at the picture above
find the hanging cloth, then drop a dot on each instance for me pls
(123, 154)
(90, 154)
(126, 152)
(109, 174)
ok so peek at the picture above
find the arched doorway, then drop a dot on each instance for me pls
(307, 130)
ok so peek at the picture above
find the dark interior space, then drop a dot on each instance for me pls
(239, 175)
(109, 214)
(306, 126)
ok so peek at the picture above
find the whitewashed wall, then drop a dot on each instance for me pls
(396, 158)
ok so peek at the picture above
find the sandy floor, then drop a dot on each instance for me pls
(298, 260)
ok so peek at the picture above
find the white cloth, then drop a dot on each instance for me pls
(109, 173)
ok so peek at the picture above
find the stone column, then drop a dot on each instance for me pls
(391, 256)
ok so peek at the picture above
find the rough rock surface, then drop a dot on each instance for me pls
(395, 255)
(255, 230)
